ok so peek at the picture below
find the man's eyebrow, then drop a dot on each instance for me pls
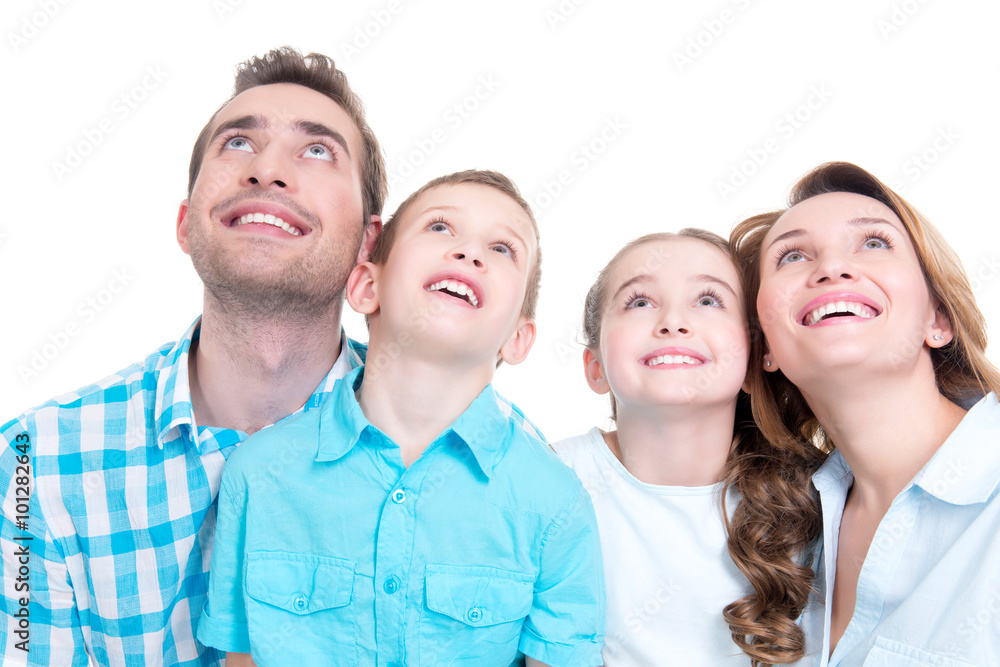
(708, 278)
(315, 129)
(854, 222)
(248, 122)
(640, 278)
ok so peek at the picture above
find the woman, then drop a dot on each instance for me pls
(867, 342)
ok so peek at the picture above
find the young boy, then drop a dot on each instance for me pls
(416, 518)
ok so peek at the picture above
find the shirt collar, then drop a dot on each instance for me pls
(174, 411)
(966, 468)
(484, 427)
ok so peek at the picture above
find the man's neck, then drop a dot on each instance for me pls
(413, 400)
(247, 373)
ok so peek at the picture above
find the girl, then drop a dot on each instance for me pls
(872, 342)
(686, 475)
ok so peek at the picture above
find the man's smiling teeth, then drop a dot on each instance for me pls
(672, 359)
(846, 307)
(456, 288)
(268, 219)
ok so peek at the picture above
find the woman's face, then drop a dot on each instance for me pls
(841, 289)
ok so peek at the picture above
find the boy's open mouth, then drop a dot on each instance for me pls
(457, 289)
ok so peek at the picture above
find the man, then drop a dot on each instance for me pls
(109, 492)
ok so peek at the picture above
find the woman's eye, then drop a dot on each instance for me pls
(708, 300)
(791, 256)
(876, 244)
(240, 144)
(320, 152)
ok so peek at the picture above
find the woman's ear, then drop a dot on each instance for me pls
(594, 371)
(939, 331)
(515, 350)
(362, 288)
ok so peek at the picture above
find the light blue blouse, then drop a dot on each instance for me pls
(929, 589)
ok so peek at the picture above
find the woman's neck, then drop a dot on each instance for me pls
(886, 429)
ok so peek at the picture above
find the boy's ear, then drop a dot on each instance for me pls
(595, 372)
(515, 350)
(182, 226)
(362, 292)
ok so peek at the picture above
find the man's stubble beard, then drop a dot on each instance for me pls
(250, 285)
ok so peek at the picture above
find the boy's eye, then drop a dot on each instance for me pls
(438, 227)
(238, 143)
(319, 152)
(502, 248)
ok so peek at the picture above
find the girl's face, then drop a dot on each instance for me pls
(841, 287)
(673, 330)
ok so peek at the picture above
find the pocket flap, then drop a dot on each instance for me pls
(479, 596)
(299, 583)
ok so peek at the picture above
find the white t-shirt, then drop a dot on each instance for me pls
(667, 570)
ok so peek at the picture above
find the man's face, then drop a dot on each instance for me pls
(274, 223)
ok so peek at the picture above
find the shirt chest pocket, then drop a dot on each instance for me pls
(299, 607)
(473, 613)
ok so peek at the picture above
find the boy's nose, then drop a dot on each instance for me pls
(466, 255)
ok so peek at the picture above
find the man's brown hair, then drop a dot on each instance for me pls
(319, 73)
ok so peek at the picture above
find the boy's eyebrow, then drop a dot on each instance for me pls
(708, 278)
(259, 122)
(445, 207)
(855, 222)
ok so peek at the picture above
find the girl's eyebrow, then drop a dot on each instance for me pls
(639, 278)
(708, 278)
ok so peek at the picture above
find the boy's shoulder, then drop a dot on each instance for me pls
(528, 457)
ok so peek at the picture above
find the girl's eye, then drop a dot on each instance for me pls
(319, 152)
(638, 302)
(709, 300)
(238, 143)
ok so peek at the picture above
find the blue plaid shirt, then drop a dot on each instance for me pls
(117, 535)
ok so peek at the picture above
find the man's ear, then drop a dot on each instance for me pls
(362, 292)
(370, 235)
(182, 226)
(594, 371)
(516, 349)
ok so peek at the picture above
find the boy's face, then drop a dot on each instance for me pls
(458, 272)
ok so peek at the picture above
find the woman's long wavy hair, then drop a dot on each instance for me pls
(786, 422)
(777, 518)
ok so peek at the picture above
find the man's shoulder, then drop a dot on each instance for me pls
(95, 402)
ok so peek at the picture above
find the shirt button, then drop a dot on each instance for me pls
(391, 585)
(301, 602)
(475, 615)
(398, 496)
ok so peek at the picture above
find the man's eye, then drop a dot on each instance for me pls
(320, 152)
(240, 144)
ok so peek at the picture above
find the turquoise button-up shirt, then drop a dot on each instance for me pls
(329, 551)
(929, 590)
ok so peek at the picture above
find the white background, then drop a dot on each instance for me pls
(886, 80)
